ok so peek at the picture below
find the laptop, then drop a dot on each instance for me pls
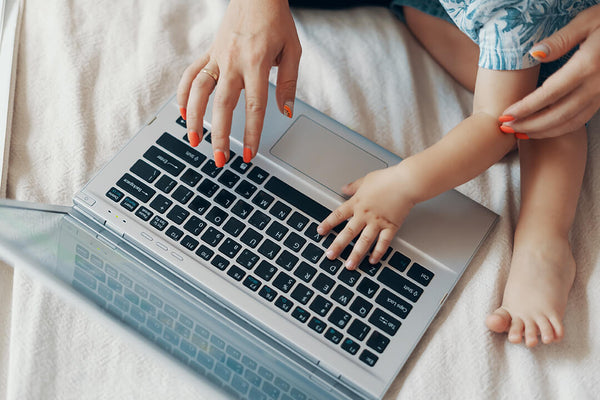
(237, 251)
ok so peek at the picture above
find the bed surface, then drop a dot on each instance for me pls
(90, 73)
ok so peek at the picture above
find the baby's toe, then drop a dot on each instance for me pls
(531, 333)
(515, 332)
(498, 321)
(559, 332)
(546, 330)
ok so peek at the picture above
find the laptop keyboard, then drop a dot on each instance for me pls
(261, 232)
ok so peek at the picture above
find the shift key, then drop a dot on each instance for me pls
(136, 188)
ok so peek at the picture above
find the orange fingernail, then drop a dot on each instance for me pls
(219, 158)
(522, 136)
(506, 129)
(182, 112)
(539, 54)
(288, 108)
(506, 118)
(539, 51)
(193, 138)
(247, 155)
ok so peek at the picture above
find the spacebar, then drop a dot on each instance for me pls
(297, 199)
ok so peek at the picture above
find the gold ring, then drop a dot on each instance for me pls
(211, 74)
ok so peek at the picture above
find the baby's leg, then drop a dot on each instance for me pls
(542, 268)
(450, 47)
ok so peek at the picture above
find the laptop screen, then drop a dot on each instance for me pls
(157, 305)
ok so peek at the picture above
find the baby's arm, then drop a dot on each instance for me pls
(381, 200)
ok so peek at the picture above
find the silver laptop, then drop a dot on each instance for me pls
(240, 245)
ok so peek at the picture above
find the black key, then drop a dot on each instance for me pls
(287, 260)
(182, 194)
(350, 346)
(378, 342)
(174, 233)
(189, 243)
(210, 169)
(323, 283)
(194, 226)
(302, 293)
(358, 329)
(212, 236)
(312, 253)
(239, 165)
(399, 284)
(305, 271)
(368, 358)
(420, 274)
(393, 303)
(259, 219)
(333, 335)
(265, 271)
(269, 249)
(277, 231)
(284, 303)
(216, 215)
(368, 268)
(251, 283)
(220, 262)
(247, 259)
(159, 223)
(236, 273)
(191, 177)
(230, 248)
(199, 205)
(144, 213)
(280, 210)
(346, 252)
(234, 226)
(349, 277)
(115, 194)
(301, 314)
(342, 295)
(242, 209)
(297, 221)
(208, 138)
(164, 161)
(178, 214)
(294, 242)
(182, 122)
(361, 307)
(129, 204)
(204, 252)
(311, 233)
(367, 287)
(263, 199)
(208, 188)
(399, 261)
(317, 325)
(161, 203)
(267, 293)
(166, 183)
(284, 282)
(134, 187)
(339, 317)
(258, 175)
(145, 171)
(245, 189)
(321, 305)
(297, 199)
(340, 227)
(229, 178)
(330, 266)
(328, 240)
(387, 254)
(181, 150)
(251, 237)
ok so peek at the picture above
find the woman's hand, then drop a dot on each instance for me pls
(379, 204)
(571, 96)
(254, 36)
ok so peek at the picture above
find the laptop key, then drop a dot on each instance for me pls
(349, 277)
(229, 178)
(134, 187)
(216, 216)
(350, 346)
(239, 165)
(287, 260)
(189, 243)
(182, 194)
(294, 242)
(269, 249)
(280, 210)
(263, 199)
(245, 189)
(321, 305)
(265, 271)
(312, 253)
(267, 293)
(144, 213)
(301, 314)
(358, 329)
(251, 238)
(234, 226)
(181, 149)
(247, 259)
(251, 283)
(159, 223)
(277, 231)
(191, 177)
(342, 295)
(236, 273)
(204, 252)
(328, 240)
(284, 282)
(161, 204)
(208, 188)
(305, 271)
(114, 194)
(258, 175)
(368, 268)
(333, 335)
(330, 266)
(420, 274)
(361, 307)
(311, 233)
(297, 221)
(368, 358)
(378, 342)
(212, 236)
(399, 261)
(367, 287)
(145, 171)
(220, 262)
(339, 318)
(317, 325)
(210, 169)
(199, 205)
(302, 293)
(166, 184)
(178, 214)
(323, 283)
(194, 225)
(400, 285)
(242, 209)
(284, 303)
(393, 303)
(259, 219)
(230, 248)
(174, 233)
(129, 204)
(164, 160)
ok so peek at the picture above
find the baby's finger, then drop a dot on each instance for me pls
(226, 97)
(352, 229)
(362, 245)
(383, 243)
(202, 87)
(339, 215)
(352, 187)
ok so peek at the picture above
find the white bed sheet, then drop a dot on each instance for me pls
(91, 72)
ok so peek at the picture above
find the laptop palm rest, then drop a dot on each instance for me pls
(324, 156)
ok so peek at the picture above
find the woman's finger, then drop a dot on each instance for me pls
(256, 83)
(201, 88)
(185, 83)
(574, 123)
(287, 77)
(227, 94)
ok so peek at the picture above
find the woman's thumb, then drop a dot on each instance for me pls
(561, 41)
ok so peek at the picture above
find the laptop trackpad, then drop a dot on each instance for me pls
(323, 155)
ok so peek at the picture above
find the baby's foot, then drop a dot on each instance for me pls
(541, 274)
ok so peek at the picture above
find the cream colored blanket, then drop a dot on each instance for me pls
(91, 72)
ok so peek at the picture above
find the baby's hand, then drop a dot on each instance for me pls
(380, 201)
